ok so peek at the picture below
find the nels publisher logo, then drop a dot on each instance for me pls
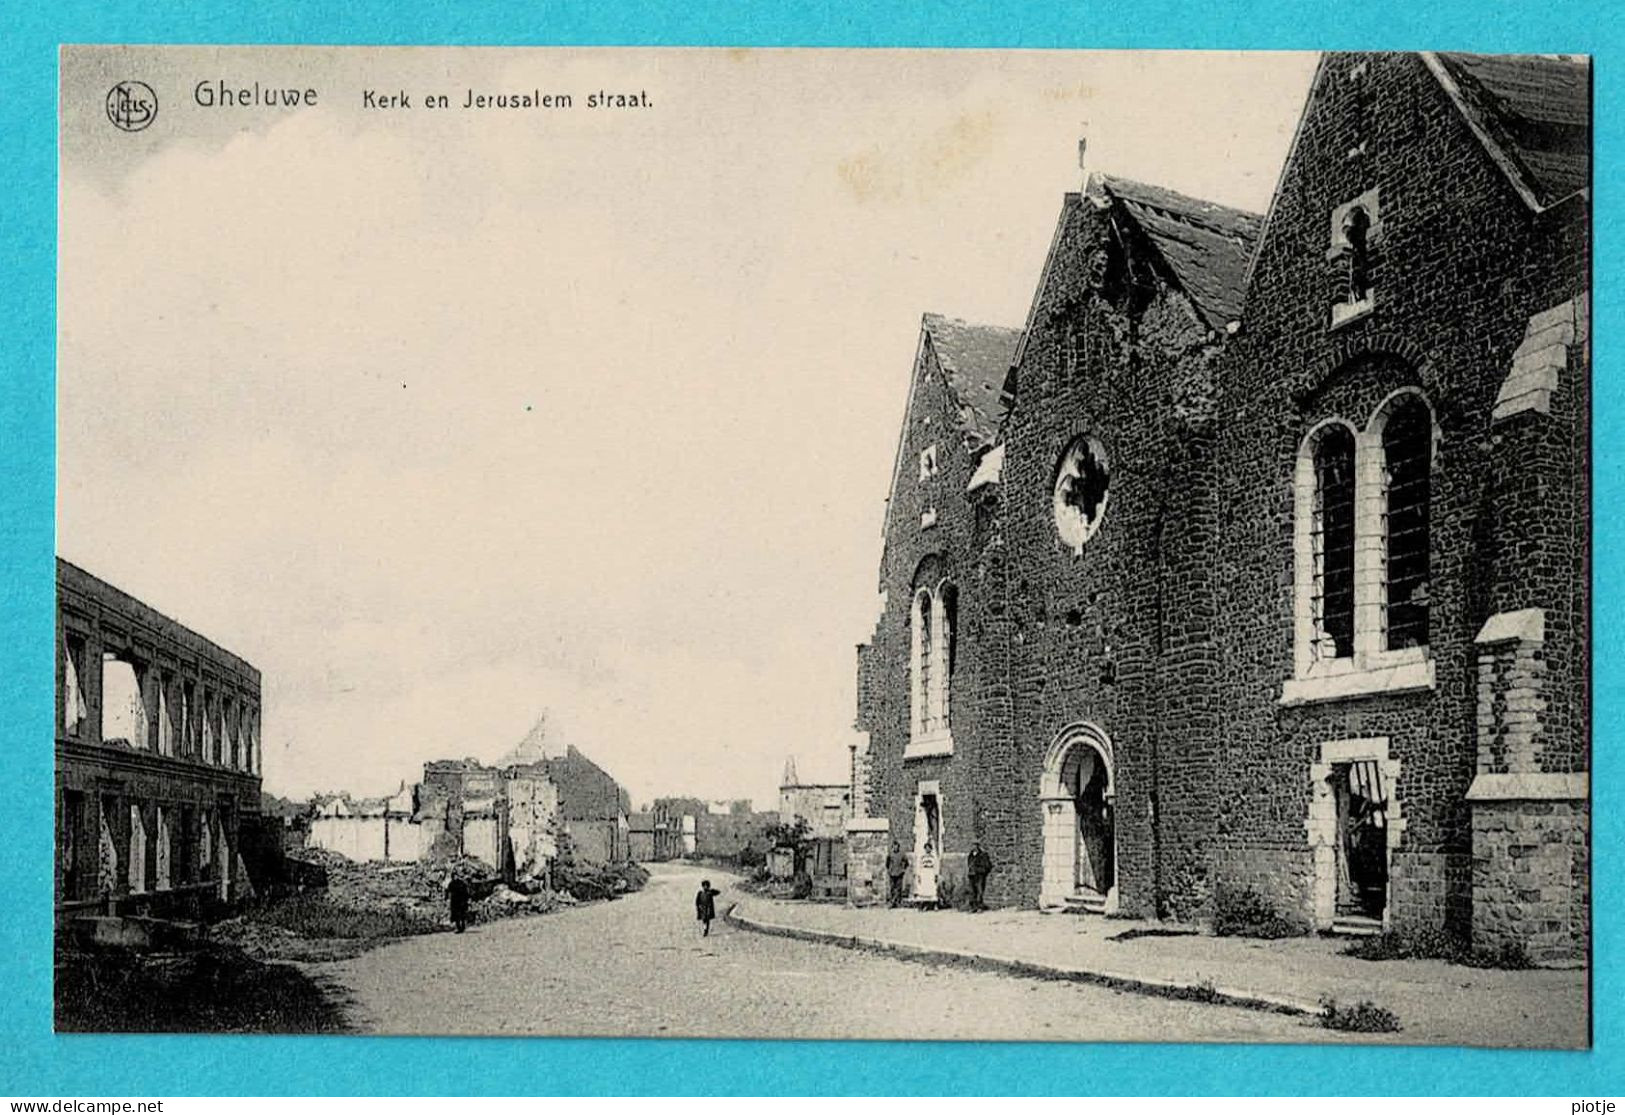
(132, 105)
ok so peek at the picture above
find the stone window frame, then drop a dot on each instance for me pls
(1349, 309)
(930, 672)
(1373, 668)
(1320, 823)
(1307, 570)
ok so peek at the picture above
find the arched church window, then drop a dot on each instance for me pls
(1407, 446)
(1332, 541)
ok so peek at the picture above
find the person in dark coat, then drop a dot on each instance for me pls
(705, 906)
(457, 897)
(978, 865)
(896, 868)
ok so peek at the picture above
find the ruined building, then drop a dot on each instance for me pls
(1258, 558)
(825, 806)
(158, 759)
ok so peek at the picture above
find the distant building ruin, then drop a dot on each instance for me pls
(825, 806)
(517, 816)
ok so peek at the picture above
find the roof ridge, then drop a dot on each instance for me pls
(1118, 184)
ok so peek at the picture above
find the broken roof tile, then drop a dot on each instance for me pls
(1207, 246)
(974, 359)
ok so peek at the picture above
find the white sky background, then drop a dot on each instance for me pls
(444, 420)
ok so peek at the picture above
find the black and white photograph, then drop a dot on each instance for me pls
(930, 545)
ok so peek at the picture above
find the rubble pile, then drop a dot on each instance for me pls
(411, 888)
(589, 882)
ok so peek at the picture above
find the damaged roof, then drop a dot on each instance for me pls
(974, 359)
(1533, 112)
(1207, 246)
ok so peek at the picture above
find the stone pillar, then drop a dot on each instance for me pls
(1531, 865)
(868, 840)
(860, 776)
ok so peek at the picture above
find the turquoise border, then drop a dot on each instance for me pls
(34, 1062)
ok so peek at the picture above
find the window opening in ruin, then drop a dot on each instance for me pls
(1082, 488)
(1332, 540)
(106, 847)
(185, 853)
(1362, 838)
(1407, 443)
(76, 844)
(124, 709)
(74, 709)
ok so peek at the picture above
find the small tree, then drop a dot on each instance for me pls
(797, 836)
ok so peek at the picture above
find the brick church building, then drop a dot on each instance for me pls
(1258, 559)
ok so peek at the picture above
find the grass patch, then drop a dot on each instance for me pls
(1204, 992)
(1436, 944)
(214, 989)
(1243, 912)
(1364, 1017)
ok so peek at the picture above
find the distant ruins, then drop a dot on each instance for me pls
(518, 815)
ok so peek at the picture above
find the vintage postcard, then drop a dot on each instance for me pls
(478, 466)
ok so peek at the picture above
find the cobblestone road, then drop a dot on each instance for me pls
(638, 966)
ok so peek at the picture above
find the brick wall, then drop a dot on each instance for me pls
(1461, 265)
(956, 549)
(1118, 635)
(1173, 629)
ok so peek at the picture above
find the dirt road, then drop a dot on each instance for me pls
(638, 966)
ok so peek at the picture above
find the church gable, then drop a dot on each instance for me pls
(1137, 277)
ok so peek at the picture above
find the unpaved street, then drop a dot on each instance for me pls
(638, 966)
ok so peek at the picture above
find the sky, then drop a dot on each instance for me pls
(447, 419)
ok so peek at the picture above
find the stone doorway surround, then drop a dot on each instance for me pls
(927, 864)
(1321, 823)
(1059, 816)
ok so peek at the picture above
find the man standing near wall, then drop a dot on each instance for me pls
(896, 868)
(979, 865)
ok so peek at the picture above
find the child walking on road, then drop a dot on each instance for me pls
(705, 906)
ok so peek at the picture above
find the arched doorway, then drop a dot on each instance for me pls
(1077, 794)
